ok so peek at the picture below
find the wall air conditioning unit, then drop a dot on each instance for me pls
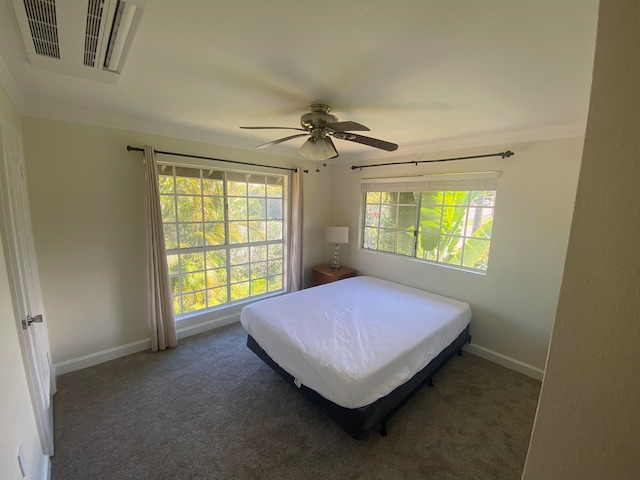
(89, 39)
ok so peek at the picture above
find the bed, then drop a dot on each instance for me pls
(358, 348)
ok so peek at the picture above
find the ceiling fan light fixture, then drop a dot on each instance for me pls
(318, 149)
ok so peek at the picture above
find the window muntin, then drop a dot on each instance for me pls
(451, 227)
(224, 235)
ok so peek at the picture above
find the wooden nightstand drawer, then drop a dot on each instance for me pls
(325, 274)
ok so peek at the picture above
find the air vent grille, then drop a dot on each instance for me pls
(95, 11)
(41, 15)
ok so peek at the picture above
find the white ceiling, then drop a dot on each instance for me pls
(426, 74)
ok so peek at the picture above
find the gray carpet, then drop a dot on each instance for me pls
(211, 409)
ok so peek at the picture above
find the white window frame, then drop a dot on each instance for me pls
(228, 247)
(460, 182)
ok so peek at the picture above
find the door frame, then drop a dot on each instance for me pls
(19, 252)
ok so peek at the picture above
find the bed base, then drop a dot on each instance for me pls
(357, 422)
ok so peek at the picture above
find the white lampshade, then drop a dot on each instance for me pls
(337, 234)
(318, 149)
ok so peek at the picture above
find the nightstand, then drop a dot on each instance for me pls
(325, 274)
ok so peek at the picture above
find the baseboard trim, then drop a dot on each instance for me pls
(209, 325)
(116, 352)
(508, 362)
(100, 357)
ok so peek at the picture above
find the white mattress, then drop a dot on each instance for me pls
(355, 340)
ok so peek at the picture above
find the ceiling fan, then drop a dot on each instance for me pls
(319, 125)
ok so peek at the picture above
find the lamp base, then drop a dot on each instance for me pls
(336, 252)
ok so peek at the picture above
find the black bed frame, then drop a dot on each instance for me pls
(357, 422)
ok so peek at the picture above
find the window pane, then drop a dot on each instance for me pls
(237, 209)
(237, 188)
(213, 209)
(372, 215)
(274, 191)
(428, 245)
(216, 277)
(239, 291)
(170, 236)
(274, 209)
(257, 231)
(167, 205)
(172, 263)
(404, 243)
(257, 208)
(476, 253)
(190, 235)
(190, 262)
(274, 230)
(275, 267)
(212, 183)
(174, 284)
(214, 233)
(258, 253)
(239, 273)
(275, 251)
(373, 197)
(274, 283)
(453, 220)
(258, 270)
(239, 255)
(389, 197)
(258, 287)
(165, 183)
(216, 296)
(449, 250)
(188, 185)
(479, 222)
(486, 199)
(370, 238)
(387, 216)
(177, 305)
(407, 198)
(431, 198)
(257, 188)
(189, 209)
(387, 240)
(192, 282)
(216, 258)
(238, 232)
(194, 301)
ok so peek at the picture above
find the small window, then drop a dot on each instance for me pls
(225, 235)
(444, 219)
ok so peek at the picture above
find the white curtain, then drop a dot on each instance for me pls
(295, 234)
(162, 321)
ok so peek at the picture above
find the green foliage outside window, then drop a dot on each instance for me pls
(451, 227)
(216, 256)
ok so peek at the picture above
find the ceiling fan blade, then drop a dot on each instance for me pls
(347, 127)
(275, 142)
(280, 128)
(372, 142)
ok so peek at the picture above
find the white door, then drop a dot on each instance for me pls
(15, 222)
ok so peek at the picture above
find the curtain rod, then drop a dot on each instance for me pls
(138, 149)
(506, 154)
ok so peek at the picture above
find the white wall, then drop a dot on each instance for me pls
(17, 421)
(514, 303)
(588, 420)
(87, 199)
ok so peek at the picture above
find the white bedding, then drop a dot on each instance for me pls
(355, 340)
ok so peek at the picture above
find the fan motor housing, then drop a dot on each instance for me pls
(319, 117)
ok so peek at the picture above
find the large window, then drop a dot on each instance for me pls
(440, 219)
(224, 235)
